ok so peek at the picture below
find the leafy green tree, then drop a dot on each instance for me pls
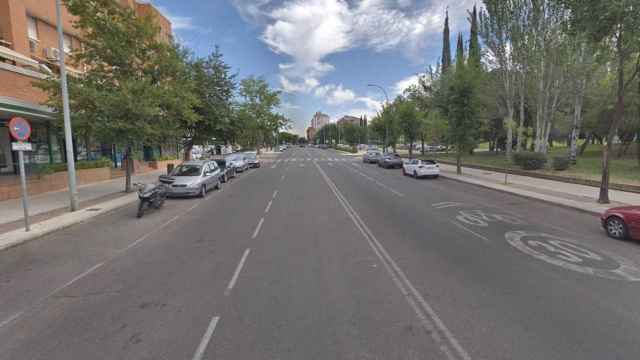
(446, 45)
(256, 111)
(214, 87)
(475, 53)
(409, 120)
(124, 98)
(614, 26)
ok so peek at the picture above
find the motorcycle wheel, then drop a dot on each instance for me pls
(140, 209)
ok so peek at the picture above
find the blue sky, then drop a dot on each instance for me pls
(320, 53)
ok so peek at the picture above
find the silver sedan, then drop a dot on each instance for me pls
(193, 178)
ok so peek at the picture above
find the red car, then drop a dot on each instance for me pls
(622, 222)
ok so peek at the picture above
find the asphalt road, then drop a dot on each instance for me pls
(319, 256)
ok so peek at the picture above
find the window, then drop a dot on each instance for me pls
(32, 28)
(66, 43)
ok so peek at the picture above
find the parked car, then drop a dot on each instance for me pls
(283, 148)
(238, 161)
(421, 168)
(371, 157)
(390, 160)
(622, 222)
(194, 177)
(252, 159)
(226, 171)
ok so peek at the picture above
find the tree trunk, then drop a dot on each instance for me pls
(522, 115)
(458, 160)
(187, 150)
(422, 144)
(638, 147)
(509, 124)
(603, 198)
(128, 169)
(577, 121)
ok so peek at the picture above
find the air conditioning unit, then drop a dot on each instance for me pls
(52, 54)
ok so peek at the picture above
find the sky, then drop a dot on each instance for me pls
(321, 54)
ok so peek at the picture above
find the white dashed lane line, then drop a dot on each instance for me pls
(257, 230)
(206, 338)
(236, 273)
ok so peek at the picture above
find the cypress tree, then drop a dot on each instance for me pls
(446, 46)
(474, 42)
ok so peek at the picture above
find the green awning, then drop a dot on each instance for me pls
(10, 107)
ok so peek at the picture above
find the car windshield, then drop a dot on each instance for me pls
(221, 163)
(234, 158)
(251, 156)
(187, 170)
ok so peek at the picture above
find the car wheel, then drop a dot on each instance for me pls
(203, 191)
(436, 176)
(219, 185)
(616, 228)
(415, 174)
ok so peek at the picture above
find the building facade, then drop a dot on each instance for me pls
(28, 53)
(311, 133)
(319, 120)
(358, 121)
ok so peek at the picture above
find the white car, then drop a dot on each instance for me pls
(421, 168)
(283, 148)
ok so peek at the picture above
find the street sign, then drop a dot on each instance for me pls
(20, 129)
(21, 146)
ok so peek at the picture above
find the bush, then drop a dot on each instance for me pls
(45, 169)
(530, 160)
(560, 163)
(350, 149)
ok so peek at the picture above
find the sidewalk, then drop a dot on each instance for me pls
(55, 203)
(580, 197)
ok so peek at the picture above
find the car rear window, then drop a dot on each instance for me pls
(428, 162)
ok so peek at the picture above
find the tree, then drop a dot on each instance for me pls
(256, 111)
(123, 99)
(214, 87)
(475, 54)
(615, 27)
(409, 120)
(446, 45)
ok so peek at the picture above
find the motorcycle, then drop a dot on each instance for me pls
(151, 195)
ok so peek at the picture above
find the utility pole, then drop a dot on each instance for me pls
(68, 135)
(386, 126)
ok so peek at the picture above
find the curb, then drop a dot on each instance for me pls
(569, 204)
(19, 236)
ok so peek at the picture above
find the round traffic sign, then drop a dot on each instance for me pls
(20, 129)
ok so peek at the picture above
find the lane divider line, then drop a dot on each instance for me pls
(257, 230)
(206, 338)
(275, 193)
(266, 210)
(236, 273)
(424, 311)
(11, 319)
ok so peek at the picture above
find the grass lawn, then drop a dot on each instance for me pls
(623, 170)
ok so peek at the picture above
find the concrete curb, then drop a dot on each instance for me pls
(566, 203)
(19, 236)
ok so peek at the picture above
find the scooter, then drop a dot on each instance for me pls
(151, 195)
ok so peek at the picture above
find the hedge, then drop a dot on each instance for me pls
(351, 149)
(530, 160)
(44, 169)
(560, 163)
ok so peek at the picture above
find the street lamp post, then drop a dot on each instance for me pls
(68, 135)
(386, 126)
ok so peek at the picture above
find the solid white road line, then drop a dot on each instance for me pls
(275, 193)
(257, 230)
(72, 281)
(236, 273)
(424, 311)
(145, 236)
(10, 319)
(470, 231)
(206, 338)
(266, 210)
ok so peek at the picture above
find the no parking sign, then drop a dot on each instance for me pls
(20, 129)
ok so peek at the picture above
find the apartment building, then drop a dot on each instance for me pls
(28, 53)
(358, 121)
(319, 120)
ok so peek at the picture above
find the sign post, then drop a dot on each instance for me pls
(20, 130)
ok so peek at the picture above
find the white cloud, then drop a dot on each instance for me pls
(335, 94)
(403, 84)
(308, 31)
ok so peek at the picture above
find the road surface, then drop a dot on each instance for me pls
(319, 256)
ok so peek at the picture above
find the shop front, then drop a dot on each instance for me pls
(46, 147)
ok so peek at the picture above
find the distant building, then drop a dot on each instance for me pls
(358, 121)
(319, 120)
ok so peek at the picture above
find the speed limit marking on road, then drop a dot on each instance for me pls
(569, 255)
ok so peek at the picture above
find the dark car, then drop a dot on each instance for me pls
(622, 222)
(390, 160)
(226, 172)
